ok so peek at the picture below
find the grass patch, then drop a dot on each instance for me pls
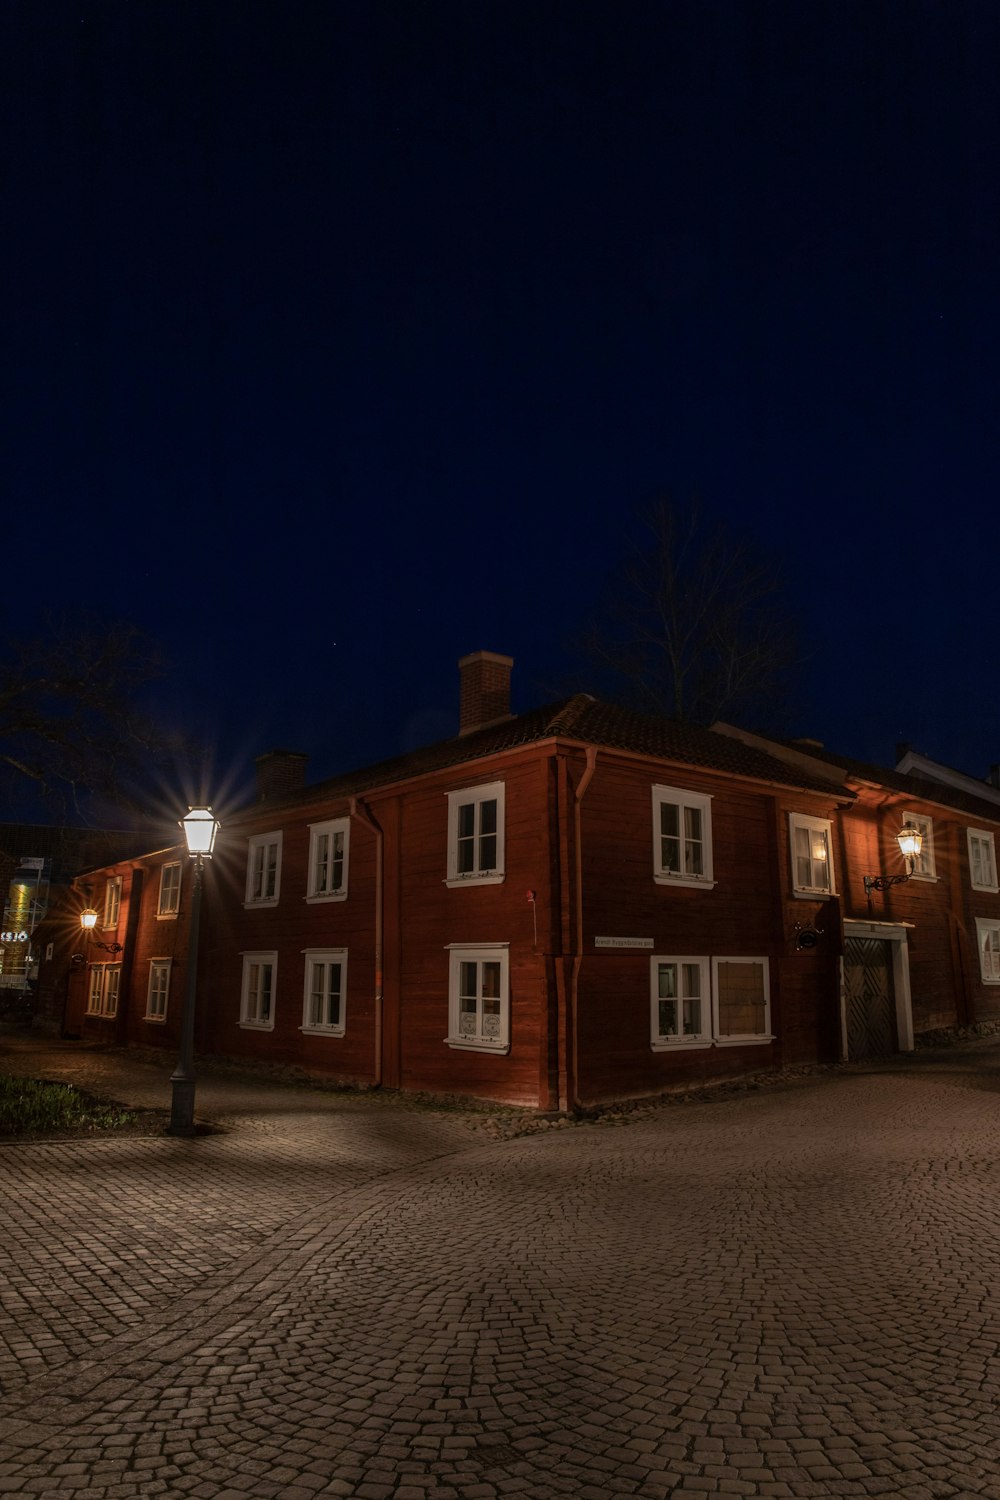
(29, 1107)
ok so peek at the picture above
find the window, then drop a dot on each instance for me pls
(325, 990)
(102, 998)
(476, 835)
(112, 901)
(924, 868)
(742, 1010)
(812, 872)
(988, 936)
(478, 997)
(328, 849)
(170, 891)
(263, 870)
(159, 988)
(682, 837)
(982, 860)
(682, 1014)
(257, 1000)
(692, 1009)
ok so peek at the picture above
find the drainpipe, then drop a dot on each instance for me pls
(578, 796)
(360, 810)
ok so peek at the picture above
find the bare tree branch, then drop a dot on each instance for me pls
(694, 625)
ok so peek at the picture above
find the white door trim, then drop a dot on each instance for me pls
(894, 933)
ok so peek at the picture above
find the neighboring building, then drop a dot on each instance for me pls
(37, 865)
(558, 909)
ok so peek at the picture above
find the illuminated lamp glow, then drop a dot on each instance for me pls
(200, 828)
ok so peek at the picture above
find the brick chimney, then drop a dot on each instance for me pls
(278, 772)
(485, 690)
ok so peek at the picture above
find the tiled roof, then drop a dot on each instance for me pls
(70, 849)
(921, 787)
(580, 718)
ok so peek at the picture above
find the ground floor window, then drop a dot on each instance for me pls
(102, 997)
(159, 988)
(988, 935)
(258, 993)
(478, 997)
(705, 1002)
(325, 991)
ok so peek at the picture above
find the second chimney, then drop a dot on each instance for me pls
(485, 690)
(279, 771)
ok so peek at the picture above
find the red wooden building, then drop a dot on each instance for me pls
(558, 909)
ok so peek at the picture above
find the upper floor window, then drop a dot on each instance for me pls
(159, 988)
(812, 865)
(924, 867)
(988, 936)
(328, 851)
(325, 990)
(170, 891)
(263, 869)
(982, 860)
(478, 997)
(476, 834)
(102, 997)
(258, 992)
(682, 837)
(112, 901)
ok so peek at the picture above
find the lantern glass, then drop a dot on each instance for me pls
(910, 841)
(200, 827)
(88, 919)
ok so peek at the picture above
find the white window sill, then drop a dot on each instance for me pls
(693, 882)
(804, 895)
(492, 879)
(256, 1025)
(324, 897)
(478, 1046)
(322, 1030)
(699, 1044)
(251, 905)
(155, 1020)
(743, 1041)
(993, 890)
(992, 979)
(929, 879)
(166, 916)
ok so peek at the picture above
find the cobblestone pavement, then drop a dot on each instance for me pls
(786, 1292)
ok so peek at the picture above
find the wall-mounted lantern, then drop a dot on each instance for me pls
(910, 840)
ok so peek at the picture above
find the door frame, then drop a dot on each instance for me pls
(893, 933)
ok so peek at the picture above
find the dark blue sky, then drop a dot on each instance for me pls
(391, 312)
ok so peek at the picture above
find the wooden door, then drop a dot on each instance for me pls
(870, 998)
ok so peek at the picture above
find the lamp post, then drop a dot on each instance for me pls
(200, 828)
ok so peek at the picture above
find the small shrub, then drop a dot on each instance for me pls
(29, 1107)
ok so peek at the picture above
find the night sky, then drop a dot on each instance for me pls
(342, 339)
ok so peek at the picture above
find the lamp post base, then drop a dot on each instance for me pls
(181, 1107)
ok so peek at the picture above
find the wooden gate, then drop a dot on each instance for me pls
(870, 998)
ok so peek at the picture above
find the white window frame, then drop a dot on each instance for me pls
(749, 1038)
(475, 796)
(988, 943)
(984, 837)
(112, 901)
(682, 800)
(159, 968)
(797, 820)
(318, 831)
(326, 957)
(925, 867)
(479, 954)
(104, 990)
(248, 1021)
(263, 841)
(679, 1041)
(168, 902)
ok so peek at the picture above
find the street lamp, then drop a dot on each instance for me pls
(88, 921)
(910, 841)
(200, 828)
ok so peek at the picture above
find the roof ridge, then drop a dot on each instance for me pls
(569, 714)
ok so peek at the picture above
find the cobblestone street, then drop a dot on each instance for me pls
(787, 1291)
